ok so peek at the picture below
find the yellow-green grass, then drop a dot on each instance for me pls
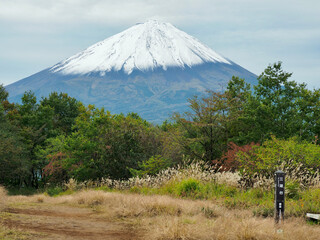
(166, 217)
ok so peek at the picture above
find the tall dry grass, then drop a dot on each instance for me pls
(294, 173)
(165, 218)
(201, 172)
(3, 197)
(125, 205)
(198, 171)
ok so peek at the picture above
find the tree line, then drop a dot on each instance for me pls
(57, 137)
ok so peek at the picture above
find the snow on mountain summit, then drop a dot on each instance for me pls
(155, 64)
(142, 47)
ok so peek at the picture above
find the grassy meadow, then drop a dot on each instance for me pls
(179, 203)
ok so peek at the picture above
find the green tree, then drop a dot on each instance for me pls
(3, 94)
(13, 163)
(65, 110)
(33, 132)
(309, 114)
(206, 126)
(215, 120)
(171, 138)
(53, 116)
(152, 166)
(239, 100)
(277, 106)
(9, 109)
(106, 145)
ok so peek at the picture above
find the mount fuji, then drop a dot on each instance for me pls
(151, 69)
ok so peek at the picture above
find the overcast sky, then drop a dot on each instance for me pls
(36, 34)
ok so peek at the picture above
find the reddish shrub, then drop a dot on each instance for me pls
(54, 171)
(228, 161)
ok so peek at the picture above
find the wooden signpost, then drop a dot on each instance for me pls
(279, 178)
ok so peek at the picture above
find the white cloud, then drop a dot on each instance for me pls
(125, 12)
(250, 32)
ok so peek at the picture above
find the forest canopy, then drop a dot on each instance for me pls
(57, 138)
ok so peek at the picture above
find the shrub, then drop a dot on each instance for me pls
(299, 159)
(292, 189)
(53, 191)
(54, 170)
(152, 166)
(229, 160)
(26, 191)
(188, 188)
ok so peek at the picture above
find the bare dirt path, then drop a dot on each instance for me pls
(65, 223)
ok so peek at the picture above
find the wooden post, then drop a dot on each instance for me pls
(279, 178)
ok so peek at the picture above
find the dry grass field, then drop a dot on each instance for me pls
(95, 214)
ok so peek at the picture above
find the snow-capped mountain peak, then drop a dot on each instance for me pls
(145, 46)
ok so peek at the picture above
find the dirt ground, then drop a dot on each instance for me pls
(63, 222)
(92, 214)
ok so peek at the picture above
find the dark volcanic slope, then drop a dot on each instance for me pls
(155, 95)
